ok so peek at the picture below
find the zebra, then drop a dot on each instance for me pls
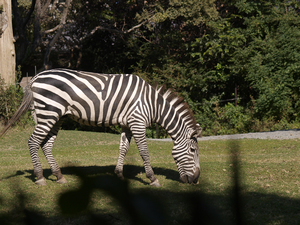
(109, 99)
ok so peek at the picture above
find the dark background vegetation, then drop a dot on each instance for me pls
(210, 52)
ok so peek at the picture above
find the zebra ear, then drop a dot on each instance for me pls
(197, 132)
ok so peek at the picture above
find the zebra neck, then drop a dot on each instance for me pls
(170, 119)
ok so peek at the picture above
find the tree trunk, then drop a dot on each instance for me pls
(7, 46)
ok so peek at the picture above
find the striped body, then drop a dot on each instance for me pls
(104, 100)
(93, 99)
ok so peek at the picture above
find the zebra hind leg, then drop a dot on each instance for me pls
(139, 134)
(47, 146)
(123, 149)
(34, 144)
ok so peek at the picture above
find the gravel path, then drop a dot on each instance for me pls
(282, 134)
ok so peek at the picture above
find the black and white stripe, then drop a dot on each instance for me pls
(110, 99)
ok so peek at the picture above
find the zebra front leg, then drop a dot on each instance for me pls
(123, 149)
(139, 134)
(47, 150)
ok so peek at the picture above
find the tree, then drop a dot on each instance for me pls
(269, 59)
(37, 32)
(7, 48)
(166, 39)
(100, 35)
(46, 25)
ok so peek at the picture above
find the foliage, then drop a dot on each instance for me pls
(205, 50)
(184, 13)
(254, 46)
(156, 131)
(18, 75)
(270, 61)
(10, 99)
(235, 118)
(102, 53)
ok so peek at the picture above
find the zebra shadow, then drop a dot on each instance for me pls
(130, 172)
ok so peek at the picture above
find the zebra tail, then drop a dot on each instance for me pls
(25, 105)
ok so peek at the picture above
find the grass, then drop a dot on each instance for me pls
(269, 180)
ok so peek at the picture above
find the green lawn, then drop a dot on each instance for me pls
(269, 181)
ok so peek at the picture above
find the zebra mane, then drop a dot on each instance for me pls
(178, 103)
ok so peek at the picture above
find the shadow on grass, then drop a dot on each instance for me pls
(156, 206)
(130, 172)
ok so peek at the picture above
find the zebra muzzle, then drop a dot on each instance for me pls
(196, 175)
(191, 179)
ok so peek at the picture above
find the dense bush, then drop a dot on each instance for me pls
(10, 99)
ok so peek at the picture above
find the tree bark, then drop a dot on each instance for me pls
(7, 46)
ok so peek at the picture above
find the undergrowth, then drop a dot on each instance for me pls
(231, 119)
(10, 99)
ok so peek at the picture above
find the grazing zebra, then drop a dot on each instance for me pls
(108, 99)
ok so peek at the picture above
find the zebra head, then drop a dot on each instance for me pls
(186, 155)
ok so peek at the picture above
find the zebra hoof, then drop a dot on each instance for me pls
(62, 181)
(41, 182)
(155, 183)
(119, 174)
(121, 177)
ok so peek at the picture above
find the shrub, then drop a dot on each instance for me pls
(234, 118)
(10, 100)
